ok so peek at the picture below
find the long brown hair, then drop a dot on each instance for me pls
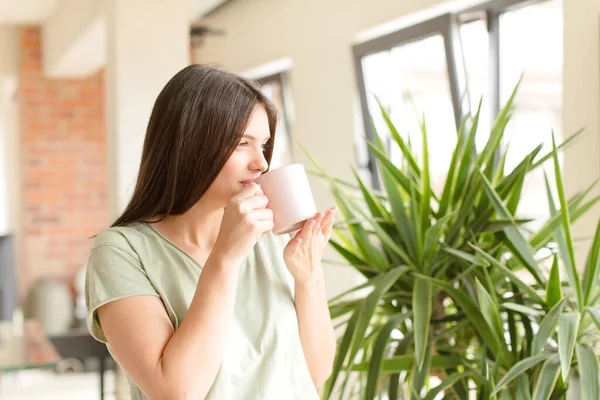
(197, 121)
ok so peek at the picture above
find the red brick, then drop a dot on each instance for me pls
(63, 166)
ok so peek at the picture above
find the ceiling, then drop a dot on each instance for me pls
(35, 12)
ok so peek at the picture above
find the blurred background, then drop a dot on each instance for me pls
(78, 79)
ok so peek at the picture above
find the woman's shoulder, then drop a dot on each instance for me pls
(119, 236)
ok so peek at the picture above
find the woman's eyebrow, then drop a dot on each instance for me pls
(253, 138)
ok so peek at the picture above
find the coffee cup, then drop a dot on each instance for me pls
(290, 197)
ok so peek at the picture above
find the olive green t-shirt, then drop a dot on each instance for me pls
(263, 358)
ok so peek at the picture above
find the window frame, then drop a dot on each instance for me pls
(446, 25)
(282, 78)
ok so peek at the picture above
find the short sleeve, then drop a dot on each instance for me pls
(113, 273)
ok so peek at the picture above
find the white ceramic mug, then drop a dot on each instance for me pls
(290, 197)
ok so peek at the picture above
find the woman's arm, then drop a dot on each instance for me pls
(167, 364)
(183, 364)
(316, 329)
(302, 257)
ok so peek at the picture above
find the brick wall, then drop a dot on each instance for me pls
(63, 156)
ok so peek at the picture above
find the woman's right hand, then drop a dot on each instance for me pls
(245, 219)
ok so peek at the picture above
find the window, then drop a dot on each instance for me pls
(409, 67)
(538, 52)
(448, 63)
(417, 69)
(273, 87)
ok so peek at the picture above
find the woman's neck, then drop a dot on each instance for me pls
(196, 229)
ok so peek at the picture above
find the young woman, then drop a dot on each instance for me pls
(192, 293)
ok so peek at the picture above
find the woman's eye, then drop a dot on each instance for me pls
(263, 147)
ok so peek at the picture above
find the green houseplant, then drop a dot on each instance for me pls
(444, 311)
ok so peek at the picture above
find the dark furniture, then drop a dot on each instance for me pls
(79, 344)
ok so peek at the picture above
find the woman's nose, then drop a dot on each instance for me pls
(260, 163)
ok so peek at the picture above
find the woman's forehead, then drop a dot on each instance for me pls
(258, 126)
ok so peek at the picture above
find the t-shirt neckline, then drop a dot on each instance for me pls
(172, 244)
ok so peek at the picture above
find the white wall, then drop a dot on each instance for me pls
(74, 39)
(581, 107)
(318, 36)
(147, 43)
(8, 130)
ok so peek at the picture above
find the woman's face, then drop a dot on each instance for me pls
(247, 161)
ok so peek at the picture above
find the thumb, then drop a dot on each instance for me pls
(293, 245)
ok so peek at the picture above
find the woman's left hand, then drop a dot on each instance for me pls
(303, 253)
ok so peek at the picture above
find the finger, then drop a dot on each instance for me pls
(328, 221)
(328, 214)
(250, 190)
(327, 228)
(306, 231)
(294, 245)
(317, 226)
(298, 245)
(263, 214)
(265, 226)
(256, 202)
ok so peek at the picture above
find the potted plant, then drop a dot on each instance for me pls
(444, 311)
